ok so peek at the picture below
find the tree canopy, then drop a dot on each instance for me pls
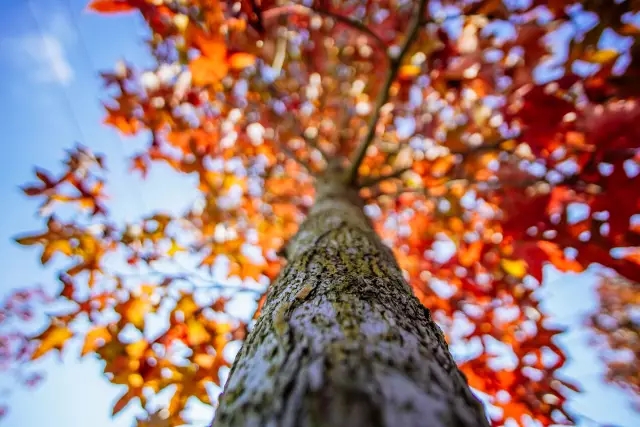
(506, 130)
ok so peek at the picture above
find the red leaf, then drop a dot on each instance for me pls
(110, 6)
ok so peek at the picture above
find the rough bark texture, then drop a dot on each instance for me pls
(341, 340)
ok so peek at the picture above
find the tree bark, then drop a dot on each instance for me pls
(342, 340)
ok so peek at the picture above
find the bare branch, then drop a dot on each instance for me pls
(383, 96)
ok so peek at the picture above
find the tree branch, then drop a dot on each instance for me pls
(275, 92)
(490, 186)
(305, 10)
(371, 181)
(484, 148)
(289, 153)
(383, 96)
(313, 144)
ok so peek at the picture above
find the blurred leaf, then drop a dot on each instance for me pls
(53, 338)
(110, 6)
(95, 338)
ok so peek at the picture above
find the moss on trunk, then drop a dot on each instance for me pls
(341, 340)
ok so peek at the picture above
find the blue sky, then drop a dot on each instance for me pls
(51, 54)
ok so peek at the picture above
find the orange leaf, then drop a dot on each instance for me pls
(206, 71)
(196, 332)
(241, 60)
(558, 259)
(633, 256)
(408, 72)
(126, 125)
(212, 65)
(110, 6)
(472, 254)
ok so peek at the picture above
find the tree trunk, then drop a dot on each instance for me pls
(342, 340)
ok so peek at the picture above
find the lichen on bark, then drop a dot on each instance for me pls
(342, 340)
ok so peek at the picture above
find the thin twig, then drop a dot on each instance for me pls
(383, 95)
(371, 181)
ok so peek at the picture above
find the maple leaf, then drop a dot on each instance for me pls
(52, 338)
(211, 65)
(95, 338)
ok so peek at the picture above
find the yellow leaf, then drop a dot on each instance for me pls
(516, 268)
(62, 246)
(196, 332)
(187, 306)
(174, 248)
(96, 338)
(602, 56)
(54, 337)
(135, 380)
(135, 350)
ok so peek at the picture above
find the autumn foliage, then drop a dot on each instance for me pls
(510, 134)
